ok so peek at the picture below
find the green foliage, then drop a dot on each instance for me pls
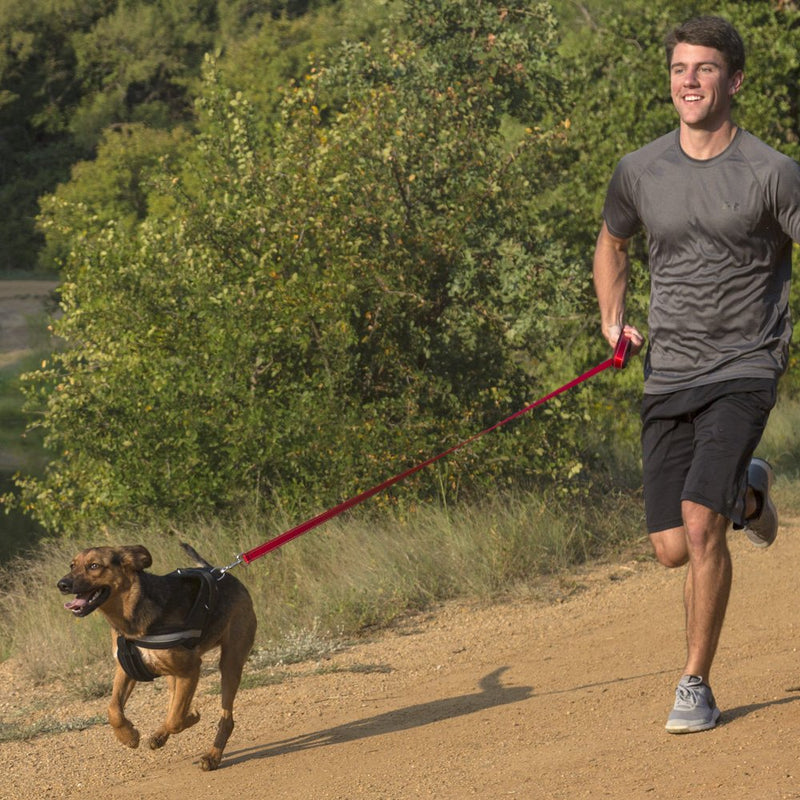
(335, 278)
(269, 54)
(70, 69)
(119, 186)
(330, 302)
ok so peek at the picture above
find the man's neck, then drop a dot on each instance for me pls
(703, 144)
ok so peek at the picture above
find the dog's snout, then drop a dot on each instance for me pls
(65, 585)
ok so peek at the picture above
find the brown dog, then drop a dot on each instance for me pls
(162, 625)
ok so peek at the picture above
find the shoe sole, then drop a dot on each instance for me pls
(757, 540)
(685, 726)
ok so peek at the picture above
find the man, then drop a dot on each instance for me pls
(720, 209)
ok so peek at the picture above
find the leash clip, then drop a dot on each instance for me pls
(224, 570)
(622, 352)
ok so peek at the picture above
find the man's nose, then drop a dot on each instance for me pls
(690, 77)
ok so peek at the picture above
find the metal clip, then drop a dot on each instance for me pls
(224, 570)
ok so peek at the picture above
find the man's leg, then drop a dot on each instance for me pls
(708, 585)
(701, 543)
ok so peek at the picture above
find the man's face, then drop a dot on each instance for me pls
(701, 87)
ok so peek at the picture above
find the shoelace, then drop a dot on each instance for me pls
(689, 696)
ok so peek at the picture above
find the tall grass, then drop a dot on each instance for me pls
(337, 581)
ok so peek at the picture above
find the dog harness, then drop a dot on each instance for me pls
(188, 635)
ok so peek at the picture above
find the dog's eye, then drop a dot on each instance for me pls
(94, 565)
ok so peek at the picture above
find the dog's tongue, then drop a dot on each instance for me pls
(76, 604)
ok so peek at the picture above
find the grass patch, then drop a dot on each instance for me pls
(20, 733)
(358, 669)
(255, 680)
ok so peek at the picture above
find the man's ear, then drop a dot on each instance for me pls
(735, 82)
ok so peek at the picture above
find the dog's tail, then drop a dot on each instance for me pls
(195, 556)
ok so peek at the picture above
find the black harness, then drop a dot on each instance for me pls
(188, 635)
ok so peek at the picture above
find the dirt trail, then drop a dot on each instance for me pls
(517, 700)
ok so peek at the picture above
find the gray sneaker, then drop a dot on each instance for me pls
(695, 709)
(763, 529)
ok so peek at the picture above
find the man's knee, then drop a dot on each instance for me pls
(705, 530)
(670, 547)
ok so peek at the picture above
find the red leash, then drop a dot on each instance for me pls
(618, 360)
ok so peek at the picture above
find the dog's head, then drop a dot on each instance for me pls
(98, 573)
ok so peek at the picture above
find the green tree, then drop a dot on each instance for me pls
(119, 186)
(333, 301)
(69, 69)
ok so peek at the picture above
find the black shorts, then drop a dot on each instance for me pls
(697, 445)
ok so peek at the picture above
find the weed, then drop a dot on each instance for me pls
(15, 732)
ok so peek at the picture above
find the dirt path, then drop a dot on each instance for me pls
(519, 700)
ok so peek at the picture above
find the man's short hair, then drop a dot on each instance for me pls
(709, 31)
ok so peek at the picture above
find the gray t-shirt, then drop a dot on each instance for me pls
(720, 240)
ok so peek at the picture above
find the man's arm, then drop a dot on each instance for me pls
(611, 269)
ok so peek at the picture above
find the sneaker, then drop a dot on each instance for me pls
(762, 529)
(695, 709)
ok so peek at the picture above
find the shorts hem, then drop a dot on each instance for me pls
(737, 522)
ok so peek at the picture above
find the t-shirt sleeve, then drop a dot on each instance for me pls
(619, 211)
(786, 198)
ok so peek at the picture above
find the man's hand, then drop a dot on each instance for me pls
(613, 332)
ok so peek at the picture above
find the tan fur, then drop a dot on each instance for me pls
(135, 600)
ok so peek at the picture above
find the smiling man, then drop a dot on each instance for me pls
(720, 209)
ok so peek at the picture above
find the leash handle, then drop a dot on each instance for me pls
(622, 352)
(618, 361)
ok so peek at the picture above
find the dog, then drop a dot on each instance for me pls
(161, 626)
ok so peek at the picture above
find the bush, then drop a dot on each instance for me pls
(328, 304)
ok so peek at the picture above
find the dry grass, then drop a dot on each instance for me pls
(336, 582)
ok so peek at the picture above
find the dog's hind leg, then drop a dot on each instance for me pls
(179, 717)
(232, 659)
(123, 728)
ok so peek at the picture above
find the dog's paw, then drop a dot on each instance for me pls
(158, 740)
(127, 735)
(209, 762)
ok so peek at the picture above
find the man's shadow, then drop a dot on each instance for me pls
(491, 695)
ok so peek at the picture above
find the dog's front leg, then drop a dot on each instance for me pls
(123, 728)
(179, 717)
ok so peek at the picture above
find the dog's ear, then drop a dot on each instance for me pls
(136, 557)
